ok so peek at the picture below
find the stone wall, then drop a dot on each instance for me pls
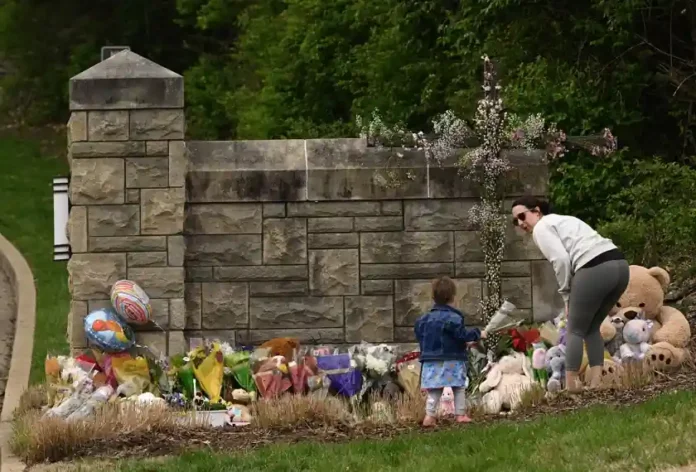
(249, 240)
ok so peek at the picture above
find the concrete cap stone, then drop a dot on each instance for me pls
(126, 81)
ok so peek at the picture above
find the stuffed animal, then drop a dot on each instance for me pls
(505, 383)
(664, 356)
(615, 343)
(612, 373)
(636, 335)
(644, 298)
(555, 365)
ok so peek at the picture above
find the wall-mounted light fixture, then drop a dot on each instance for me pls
(61, 211)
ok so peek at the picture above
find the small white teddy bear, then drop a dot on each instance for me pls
(636, 334)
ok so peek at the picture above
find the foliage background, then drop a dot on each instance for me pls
(305, 68)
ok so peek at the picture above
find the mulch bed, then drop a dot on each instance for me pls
(246, 439)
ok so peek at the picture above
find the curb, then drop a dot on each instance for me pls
(22, 347)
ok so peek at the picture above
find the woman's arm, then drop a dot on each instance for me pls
(550, 245)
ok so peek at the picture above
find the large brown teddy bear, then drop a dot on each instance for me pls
(644, 297)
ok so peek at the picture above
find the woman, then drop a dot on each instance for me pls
(592, 275)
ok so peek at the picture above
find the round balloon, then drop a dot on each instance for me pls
(104, 329)
(131, 302)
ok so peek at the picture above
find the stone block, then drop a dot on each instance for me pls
(107, 149)
(176, 343)
(225, 305)
(108, 125)
(223, 250)
(261, 273)
(114, 220)
(162, 211)
(278, 289)
(199, 274)
(157, 124)
(478, 269)
(159, 282)
(333, 241)
(296, 312)
(126, 81)
(257, 155)
(467, 246)
(193, 296)
(128, 244)
(322, 209)
(377, 287)
(412, 298)
(77, 229)
(516, 289)
(348, 169)
(274, 210)
(340, 224)
(399, 247)
(147, 259)
(132, 195)
(178, 163)
(405, 271)
(176, 247)
(334, 272)
(147, 172)
(519, 246)
(284, 241)
(447, 182)
(92, 275)
(77, 127)
(379, 223)
(76, 323)
(369, 319)
(404, 335)
(223, 218)
(157, 148)
(305, 336)
(437, 215)
(97, 182)
(218, 186)
(392, 207)
(155, 340)
(546, 300)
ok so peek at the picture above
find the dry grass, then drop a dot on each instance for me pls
(33, 398)
(37, 439)
(295, 410)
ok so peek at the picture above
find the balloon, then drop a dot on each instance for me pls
(131, 302)
(104, 329)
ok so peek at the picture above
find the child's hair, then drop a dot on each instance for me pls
(444, 290)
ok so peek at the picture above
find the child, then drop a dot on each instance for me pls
(442, 337)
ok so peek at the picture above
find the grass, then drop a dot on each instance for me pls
(28, 163)
(650, 436)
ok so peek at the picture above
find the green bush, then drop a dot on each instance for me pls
(648, 207)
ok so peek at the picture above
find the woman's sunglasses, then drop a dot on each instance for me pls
(520, 217)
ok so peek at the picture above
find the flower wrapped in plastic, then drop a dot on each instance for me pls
(376, 362)
(408, 372)
(345, 379)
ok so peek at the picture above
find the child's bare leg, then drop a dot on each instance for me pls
(431, 405)
(460, 405)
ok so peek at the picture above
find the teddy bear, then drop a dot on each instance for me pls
(664, 356)
(555, 365)
(505, 383)
(644, 299)
(636, 336)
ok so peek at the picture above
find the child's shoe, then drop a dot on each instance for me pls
(429, 421)
(463, 419)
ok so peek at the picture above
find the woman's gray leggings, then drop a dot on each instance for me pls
(593, 293)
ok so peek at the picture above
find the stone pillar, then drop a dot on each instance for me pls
(127, 191)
